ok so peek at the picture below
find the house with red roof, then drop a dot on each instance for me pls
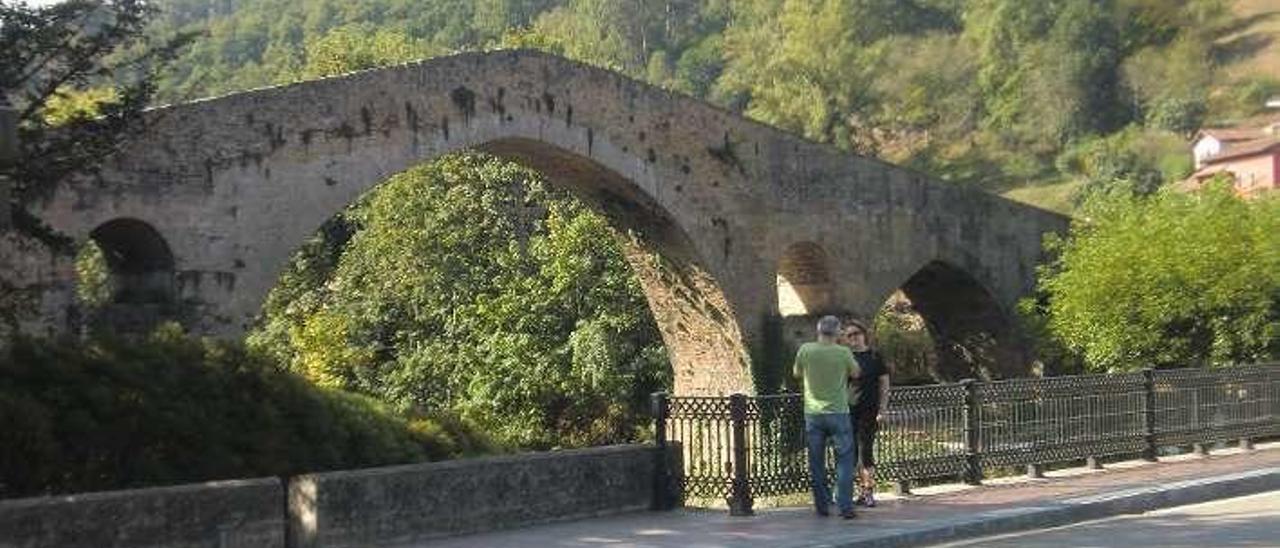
(1248, 156)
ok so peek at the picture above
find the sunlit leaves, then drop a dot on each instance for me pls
(1172, 279)
(470, 287)
(94, 285)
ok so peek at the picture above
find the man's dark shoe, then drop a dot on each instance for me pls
(848, 514)
(823, 512)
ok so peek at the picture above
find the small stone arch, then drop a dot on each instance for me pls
(805, 285)
(973, 333)
(140, 261)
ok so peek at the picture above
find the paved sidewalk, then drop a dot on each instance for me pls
(934, 515)
(1252, 520)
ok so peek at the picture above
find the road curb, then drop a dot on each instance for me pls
(1074, 510)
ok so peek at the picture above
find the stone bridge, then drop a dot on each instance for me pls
(746, 232)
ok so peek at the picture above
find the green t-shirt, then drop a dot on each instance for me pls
(825, 368)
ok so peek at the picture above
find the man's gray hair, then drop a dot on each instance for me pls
(829, 326)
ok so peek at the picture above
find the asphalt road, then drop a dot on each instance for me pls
(1244, 521)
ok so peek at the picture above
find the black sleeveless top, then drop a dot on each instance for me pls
(864, 392)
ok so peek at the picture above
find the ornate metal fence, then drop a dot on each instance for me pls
(739, 447)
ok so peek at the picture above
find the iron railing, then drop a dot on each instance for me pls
(738, 448)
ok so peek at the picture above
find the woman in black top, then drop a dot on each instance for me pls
(868, 399)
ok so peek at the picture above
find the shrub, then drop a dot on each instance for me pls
(109, 414)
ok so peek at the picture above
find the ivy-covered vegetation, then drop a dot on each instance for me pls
(108, 414)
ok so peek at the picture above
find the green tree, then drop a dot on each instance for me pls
(57, 60)
(524, 322)
(1171, 84)
(1136, 160)
(357, 47)
(1168, 280)
(814, 76)
(1049, 70)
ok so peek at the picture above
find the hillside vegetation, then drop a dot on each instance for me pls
(1254, 47)
(995, 94)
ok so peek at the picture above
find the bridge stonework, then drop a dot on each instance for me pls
(233, 186)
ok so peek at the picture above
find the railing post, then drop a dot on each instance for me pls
(1149, 414)
(973, 469)
(740, 503)
(659, 405)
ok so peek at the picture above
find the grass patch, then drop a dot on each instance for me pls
(1258, 40)
(1053, 196)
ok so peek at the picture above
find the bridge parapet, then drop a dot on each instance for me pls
(406, 504)
(224, 514)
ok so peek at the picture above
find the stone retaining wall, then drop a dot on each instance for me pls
(225, 514)
(388, 506)
(370, 507)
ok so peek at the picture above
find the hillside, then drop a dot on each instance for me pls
(1254, 49)
(999, 95)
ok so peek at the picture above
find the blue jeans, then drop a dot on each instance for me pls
(817, 429)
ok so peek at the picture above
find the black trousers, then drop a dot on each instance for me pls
(865, 427)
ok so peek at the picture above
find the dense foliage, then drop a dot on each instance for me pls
(467, 286)
(983, 92)
(111, 414)
(1168, 280)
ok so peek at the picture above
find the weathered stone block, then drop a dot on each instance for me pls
(224, 514)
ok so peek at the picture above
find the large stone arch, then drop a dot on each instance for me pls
(235, 183)
(691, 310)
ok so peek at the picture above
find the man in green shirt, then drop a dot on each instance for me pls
(826, 368)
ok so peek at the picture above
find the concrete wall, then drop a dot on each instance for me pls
(388, 506)
(227, 514)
